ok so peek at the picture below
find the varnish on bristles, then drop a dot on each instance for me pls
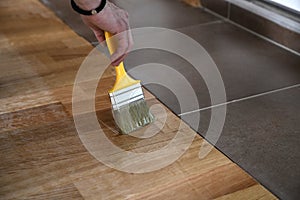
(132, 116)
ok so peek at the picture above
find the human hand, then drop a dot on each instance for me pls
(113, 20)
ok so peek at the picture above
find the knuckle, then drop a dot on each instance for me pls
(126, 14)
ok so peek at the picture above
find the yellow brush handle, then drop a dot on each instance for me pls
(122, 78)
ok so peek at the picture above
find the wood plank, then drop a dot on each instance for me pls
(61, 192)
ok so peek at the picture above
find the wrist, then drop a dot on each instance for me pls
(87, 4)
(95, 9)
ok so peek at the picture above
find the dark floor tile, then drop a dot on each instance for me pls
(262, 136)
(265, 27)
(163, 13)
(162, 81)
(142, 13)
(248, 65)
(218, 6)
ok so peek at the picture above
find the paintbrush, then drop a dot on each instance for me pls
(129, 108)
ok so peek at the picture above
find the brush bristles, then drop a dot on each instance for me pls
(133, 116)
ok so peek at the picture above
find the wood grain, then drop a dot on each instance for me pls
(42, 156)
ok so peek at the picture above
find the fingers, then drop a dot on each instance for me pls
(118, 60)
(99, 35)
(124, 43)
(115, 21)
(122, 35)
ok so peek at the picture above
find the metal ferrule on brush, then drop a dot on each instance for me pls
(125, 96)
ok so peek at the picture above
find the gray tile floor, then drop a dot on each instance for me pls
(261, 133)
(158, 13)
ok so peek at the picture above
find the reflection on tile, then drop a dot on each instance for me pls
(262, 136)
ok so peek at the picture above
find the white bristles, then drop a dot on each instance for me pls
(130, 110)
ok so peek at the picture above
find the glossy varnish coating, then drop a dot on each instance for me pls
(41, 154)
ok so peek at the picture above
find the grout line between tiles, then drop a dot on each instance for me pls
(269, 14)
(95, 43)
(252, 32)
(241, 99)
(265, 38)
(201, 24)
(216, 14)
